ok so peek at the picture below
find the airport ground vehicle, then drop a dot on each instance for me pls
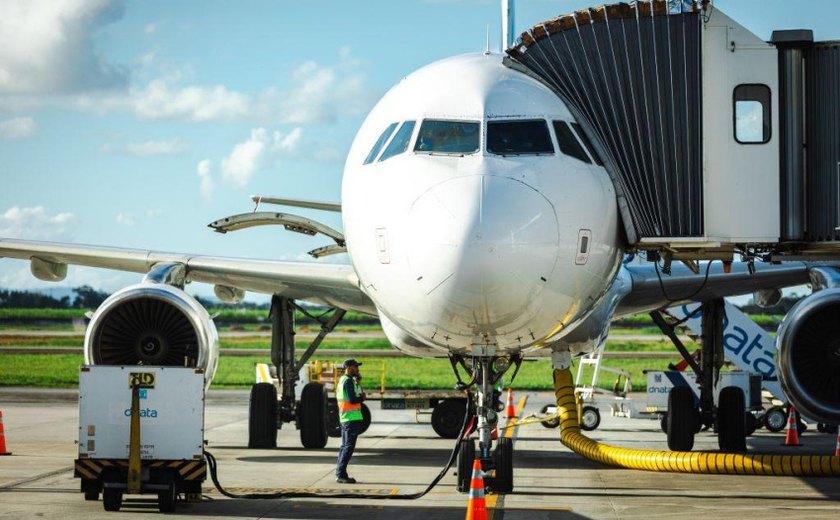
(141, 431)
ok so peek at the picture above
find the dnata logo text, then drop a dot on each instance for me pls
(144, 412)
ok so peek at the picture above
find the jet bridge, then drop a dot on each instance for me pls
(717, 141)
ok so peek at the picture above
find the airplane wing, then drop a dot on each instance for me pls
(651, 290)
(335, 285)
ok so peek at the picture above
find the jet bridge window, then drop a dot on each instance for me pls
(399, 143)
(380, 143)
(752, 114)
(568, 143)
(519, 138)
(448, 137)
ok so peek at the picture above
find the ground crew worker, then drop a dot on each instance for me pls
(349, 395)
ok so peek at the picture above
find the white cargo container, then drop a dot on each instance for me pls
(171, 412)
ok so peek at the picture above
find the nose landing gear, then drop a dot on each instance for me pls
(494, 452)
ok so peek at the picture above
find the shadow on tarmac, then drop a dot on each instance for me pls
(525, 459)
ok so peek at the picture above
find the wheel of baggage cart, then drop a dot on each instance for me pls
(262, 416)
(590, 418)
(682, 419)
(554, 423)
(503, 458)
(448, 418)
(731, 423)
(775, 419)
(168, 497)
(466, 456)
(91, 488)
(112, 497)
(312, 416)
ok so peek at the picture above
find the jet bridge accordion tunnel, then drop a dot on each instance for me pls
(716, 141)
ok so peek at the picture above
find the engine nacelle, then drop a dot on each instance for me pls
(808, 357)
(153, 324)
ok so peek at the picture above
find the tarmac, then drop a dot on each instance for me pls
(398, 455)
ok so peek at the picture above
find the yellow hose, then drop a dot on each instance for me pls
(679, 461)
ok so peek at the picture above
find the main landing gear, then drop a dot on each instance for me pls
(268, 410)
(687, 414)
(495, 451)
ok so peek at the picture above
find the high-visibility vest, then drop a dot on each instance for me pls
(348, 411)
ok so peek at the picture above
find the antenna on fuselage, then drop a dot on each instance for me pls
(487, 46)
(508, 9)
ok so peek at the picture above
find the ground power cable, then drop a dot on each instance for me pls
(466, 430)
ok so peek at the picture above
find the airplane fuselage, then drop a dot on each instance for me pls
(467, 236)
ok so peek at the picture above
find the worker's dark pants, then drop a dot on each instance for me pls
(349, 433)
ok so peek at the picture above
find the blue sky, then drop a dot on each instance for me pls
(137, 123)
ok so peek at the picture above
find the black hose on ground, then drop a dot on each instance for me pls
(466, 429)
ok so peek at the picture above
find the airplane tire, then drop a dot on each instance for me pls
(503, 481)
(549, 424)
(448, 418)
(466, 456)
(731, 423)
(262, 417)
(682, 419)
(312, 416)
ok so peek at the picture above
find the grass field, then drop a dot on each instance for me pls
(62, 371)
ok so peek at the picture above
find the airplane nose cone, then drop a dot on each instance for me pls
(482, 249)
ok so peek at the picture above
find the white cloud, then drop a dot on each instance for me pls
(153, 148)
(17, 128)
(154, 212)
(259, 150)
(46, 47)
(34, 223)
(320, 93)
(204, 169)
(125, 219)
(161, 100)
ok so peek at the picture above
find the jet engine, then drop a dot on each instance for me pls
(153, 324)
(808, 357)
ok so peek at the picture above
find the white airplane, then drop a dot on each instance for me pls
(479, 225)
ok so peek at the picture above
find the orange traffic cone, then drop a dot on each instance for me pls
(792, 435)
(476, 507)
(3, 450)
(510, 413)
(837, 447)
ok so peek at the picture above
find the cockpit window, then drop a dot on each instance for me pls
(380, 143)
(399, 143)
(587, 143)
(449, 137)
(518, 138)
(568, 143)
